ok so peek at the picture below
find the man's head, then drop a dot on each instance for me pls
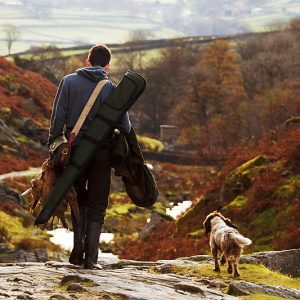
(99, 55)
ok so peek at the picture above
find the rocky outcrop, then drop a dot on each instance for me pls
(63, 281)
(128, 279)
(37, 255)
(243, 288)
(286, 262)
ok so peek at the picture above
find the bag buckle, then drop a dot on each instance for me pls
(65, 151)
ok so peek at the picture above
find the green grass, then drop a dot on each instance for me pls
(261, 297)
(238, 202)
(17, 232)
(249, 272)
(289, 189)
(67, 28)
(119, 209)
(150, 144)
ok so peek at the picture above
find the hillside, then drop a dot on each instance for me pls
(258, 188)
(25, 100)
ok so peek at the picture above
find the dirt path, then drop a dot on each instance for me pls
(20, 173)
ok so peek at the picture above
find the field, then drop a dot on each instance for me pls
(66, 28)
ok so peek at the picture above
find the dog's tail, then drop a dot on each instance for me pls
(242, 241)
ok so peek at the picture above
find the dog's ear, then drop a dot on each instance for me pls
(207, 226)
(229, 223)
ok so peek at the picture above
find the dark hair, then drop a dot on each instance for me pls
(99, 55)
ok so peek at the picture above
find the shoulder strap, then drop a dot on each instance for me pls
(87, 109)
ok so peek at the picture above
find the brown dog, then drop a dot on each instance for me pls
(41, 188)
(225, 238)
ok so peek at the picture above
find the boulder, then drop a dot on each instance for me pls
(242, 288)
(286, 261)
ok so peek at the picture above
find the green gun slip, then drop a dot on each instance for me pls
(127, 92)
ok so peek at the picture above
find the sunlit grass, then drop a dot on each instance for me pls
(249, 272)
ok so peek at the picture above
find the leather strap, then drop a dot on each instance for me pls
(87, 108)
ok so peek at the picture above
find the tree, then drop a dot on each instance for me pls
(209, 113)
(166, 77)
(133, 59)
(12, 34)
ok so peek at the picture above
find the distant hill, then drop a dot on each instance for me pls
(67, 24)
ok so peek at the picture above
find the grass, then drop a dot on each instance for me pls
(249, 272)
(289, 189)
(238, 202)
(261, 297)
(150, 144)
(20, 235)
(119, 209)
(89, 27)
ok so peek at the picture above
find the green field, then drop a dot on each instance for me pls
(66, 28)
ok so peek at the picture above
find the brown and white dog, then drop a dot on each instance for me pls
(225, 238)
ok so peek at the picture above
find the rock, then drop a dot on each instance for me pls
(76, 278)
(4, 294)
(241, 288)
(286, 261)
(191, 288)
(38, 255)
(132, 281)
(164, 269)
(199, 258)
(76, 287)
(56, 264)
(24, 297)
(58, 297)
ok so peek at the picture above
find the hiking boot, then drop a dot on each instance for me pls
(76, 256)
(93, 232)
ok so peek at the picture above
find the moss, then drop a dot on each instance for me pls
(24, 139)
(265, 218)
(196, 233)
(8, 149)
(118, 209)
(240, 179)
(150, 144)
(19, 234)
(249, 272)
(261, 297)
(289, 189)
(5, 110)
(244, 168)
(238, 202)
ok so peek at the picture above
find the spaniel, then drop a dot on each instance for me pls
(225, 238)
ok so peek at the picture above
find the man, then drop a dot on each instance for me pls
(93, 186)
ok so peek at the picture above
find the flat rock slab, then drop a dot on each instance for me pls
(62, 281)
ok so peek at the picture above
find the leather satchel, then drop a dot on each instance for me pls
(60, 148)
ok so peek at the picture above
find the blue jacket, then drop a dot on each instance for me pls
(72, 95)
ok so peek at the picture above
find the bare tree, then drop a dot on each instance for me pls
(12, 34)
